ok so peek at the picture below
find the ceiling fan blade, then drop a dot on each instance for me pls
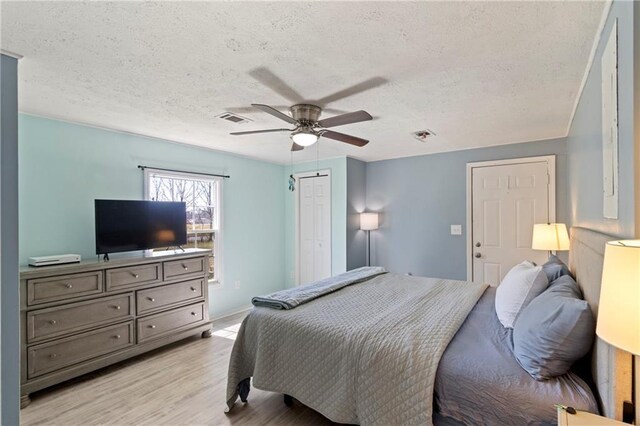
(275, 83)
(275, 113)
(355, 89)
(333, 111)
(250, 109)
(251, 132)
(348, 118)
(352, 140)
(296, 147)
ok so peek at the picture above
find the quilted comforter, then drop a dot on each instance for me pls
(366, 354)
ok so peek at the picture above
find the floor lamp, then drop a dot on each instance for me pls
(368, 222)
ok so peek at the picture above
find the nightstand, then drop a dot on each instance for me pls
(582, 418)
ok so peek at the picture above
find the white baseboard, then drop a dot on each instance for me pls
(230, 314)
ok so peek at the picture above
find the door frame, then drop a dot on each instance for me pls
(296, 202)
(551, 173)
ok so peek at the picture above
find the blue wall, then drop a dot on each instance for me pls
(420, 197)
(356, 204)
(584, 142)
(9, 295)
(64, 167)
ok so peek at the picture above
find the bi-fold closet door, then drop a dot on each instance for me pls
(314, 219)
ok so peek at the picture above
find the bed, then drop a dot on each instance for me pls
(408, 350)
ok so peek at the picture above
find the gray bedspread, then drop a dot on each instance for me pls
(365, 354)
(479, 381)
(292, 297)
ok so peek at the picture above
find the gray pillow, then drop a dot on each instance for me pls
(553, 331)
(566, 285)
(555, 268)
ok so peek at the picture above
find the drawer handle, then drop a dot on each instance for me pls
(68, 286)
(117, 307)
(152, 326)
(151, 299)
(185, 267)
(135, 275)
(53, 356)
(193, 313)
(193, 289)
(117, 336)
(52, 322)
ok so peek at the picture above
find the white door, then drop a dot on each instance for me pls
(315, 228)
(506, 202)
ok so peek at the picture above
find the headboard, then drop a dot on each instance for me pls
(610, 367)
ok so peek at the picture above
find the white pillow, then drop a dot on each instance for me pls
(519, 287)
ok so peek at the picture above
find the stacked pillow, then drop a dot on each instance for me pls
(555, 268)
(556, 329)
(518, 288)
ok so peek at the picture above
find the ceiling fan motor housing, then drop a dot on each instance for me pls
(306, 113)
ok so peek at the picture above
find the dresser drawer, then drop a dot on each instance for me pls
(156, 298)
(51, 289)
(133, 276)
(62, 353)
(184, 268)
(158, 325)
(52, 322)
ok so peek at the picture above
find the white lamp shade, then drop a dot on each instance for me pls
(619, 310)
(368, 221)
(304, 139)
(550, 236)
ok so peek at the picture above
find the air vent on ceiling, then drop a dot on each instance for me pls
(234, 118)
(423, 135)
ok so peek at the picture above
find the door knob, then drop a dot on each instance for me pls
(478, 255)
(478, 244)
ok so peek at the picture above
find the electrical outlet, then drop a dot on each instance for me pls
(237, 284)
(456, 229)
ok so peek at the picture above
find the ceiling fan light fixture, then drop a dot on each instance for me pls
(304, 137)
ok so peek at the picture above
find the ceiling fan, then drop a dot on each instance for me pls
(308, 128)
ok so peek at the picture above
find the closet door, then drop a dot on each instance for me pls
(314, 231)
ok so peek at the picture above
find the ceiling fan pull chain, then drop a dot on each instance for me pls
(318, 158)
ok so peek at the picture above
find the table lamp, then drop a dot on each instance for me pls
(550, 236)
(368, 222)
(619, 308)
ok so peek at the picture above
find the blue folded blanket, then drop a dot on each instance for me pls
(292, 297)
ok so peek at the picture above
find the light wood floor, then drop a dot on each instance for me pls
(183, 384)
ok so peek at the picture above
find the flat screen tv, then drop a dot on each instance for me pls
(123, 225)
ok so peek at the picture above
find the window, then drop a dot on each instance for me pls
(203, 198)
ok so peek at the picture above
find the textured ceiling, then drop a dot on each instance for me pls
(475, 73)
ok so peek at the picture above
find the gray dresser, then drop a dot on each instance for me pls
(81, 317)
